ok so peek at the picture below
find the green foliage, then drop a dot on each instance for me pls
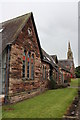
(74, 82)
(77, 72)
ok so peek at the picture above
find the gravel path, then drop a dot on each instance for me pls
(73, 87)
(78, 108)
(78, 111)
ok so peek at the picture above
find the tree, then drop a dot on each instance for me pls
(77, 72)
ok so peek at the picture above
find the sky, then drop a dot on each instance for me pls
(79, 33)
(56, 23)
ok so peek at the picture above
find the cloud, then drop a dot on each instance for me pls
(56, 22)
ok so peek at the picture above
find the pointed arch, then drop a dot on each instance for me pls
(32, 66)
(28, 64)
(24, 58)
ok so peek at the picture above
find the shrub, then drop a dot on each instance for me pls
(77, 72)
(62, 85)
(52, 83)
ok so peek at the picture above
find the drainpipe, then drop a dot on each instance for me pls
(7, 78)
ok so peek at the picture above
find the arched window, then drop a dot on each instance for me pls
(45, 72)
(28, 64)
(29, 31)
(32, 66)
(24, 57)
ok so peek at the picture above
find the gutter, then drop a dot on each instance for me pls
(7, 77)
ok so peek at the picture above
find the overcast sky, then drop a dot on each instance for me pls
(79, 33)
(56, 22)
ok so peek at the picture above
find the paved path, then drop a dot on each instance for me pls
(77, 117)
(73, 87)
(78, 111)
(78, 108)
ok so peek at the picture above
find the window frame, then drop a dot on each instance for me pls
(45, 72)
(32, 66)
(28, 65)
(24, 64)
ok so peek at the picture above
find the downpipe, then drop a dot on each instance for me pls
(7, 78)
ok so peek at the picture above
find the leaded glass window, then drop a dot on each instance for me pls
(28, 64)
(45, 73)
(32, 66)
(24, 57)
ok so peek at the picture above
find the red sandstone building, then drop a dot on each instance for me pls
(26, 67)
(69, 63)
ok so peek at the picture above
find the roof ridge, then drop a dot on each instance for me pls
(10, 20)
(65, 60)
(21, 20)
(53, 55)
(21, 26)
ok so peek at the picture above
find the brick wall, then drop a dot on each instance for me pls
(20, 88)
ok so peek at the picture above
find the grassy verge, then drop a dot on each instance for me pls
(51, 104)
(75, 82)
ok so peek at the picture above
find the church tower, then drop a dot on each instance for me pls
(69, 53)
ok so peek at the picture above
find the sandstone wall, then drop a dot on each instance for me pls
(20, 88)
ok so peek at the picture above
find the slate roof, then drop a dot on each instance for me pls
(63, 67)
(60, 64)
(66, 62)
(51, 59)
(47, 58)
(54, 58)
(12, 28)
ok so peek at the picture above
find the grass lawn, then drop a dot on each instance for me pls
(51, 104)
(75, 82)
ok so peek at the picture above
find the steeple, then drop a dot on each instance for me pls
(69, 47)
(69, 53)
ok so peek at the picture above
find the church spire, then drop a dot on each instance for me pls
(69, 47)
(69, 53)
